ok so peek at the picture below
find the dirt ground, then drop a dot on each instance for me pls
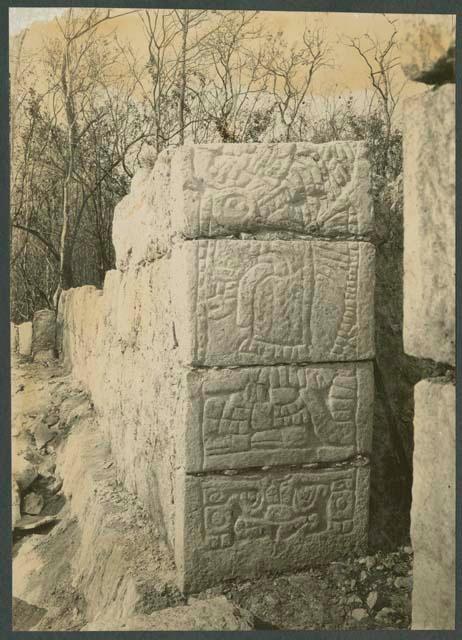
(373, 592)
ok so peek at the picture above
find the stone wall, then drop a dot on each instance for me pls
(229, 355)
(429, 313)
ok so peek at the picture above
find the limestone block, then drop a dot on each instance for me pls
(271, 302)
(25, 338)
(429, 225)
(427, 47)
(316, 189)
(14, 338)
(43, 334)
(433, 531)
(141, 225)
(244, 525)
(257, 416)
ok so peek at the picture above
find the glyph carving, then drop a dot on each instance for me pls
(251, 523)
(257, 416)
(277, 508)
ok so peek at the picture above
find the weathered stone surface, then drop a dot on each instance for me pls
(43, 334)
(316, 189)
(14, 338)
(25, 338)
(267, 302)
(429, 225)
(257, 416)
(120, 345)
(244, 525)
(433, 530)
(217, 190)
(213, 614)
(141, 225)
(427, 47)
(131, 340)
(23, 471)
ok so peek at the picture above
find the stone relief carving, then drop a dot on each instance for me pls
(303, 187)
(293, 409)
(276, 301)
(277, 508)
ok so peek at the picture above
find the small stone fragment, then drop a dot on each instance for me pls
(407, 550)
(24, 472)
(33, 504)
(43, 435)
(363, 575)
(403, 582)
(370, 562)
(27, 523)
(359, 614)
(51, 419)
(372, 599)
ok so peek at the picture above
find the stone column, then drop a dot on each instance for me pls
(25, 338)
(429, 310)
(43, 335)
(272, 291)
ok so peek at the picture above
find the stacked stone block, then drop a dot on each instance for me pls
(429, 312)
(229, 355)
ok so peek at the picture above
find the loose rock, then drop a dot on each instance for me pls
(372, 599)
(359, 614)
(33, 504)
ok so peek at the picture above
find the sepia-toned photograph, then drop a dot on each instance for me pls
(232, 319)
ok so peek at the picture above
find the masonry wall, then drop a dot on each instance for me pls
(229, 355)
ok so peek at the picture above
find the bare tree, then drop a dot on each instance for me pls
(232, 83)
(292, 70)
(381, 58)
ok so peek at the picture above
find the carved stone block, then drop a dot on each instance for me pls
(245, 525)
(270, 302)
(315, 189)
(256, 416)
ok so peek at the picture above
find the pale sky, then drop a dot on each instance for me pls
(348, 74)
(20, 18)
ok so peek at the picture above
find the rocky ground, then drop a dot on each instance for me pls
(86, 556)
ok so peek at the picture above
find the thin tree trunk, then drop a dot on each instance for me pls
(184, 28)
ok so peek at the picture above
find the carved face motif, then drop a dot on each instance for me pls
(233, 206)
